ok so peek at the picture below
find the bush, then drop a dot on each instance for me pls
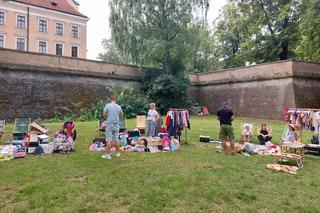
(169, 91)
(132, 101)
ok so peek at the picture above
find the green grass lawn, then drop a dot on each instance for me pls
(195, 179)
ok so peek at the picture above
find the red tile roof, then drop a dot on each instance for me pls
(62, 6)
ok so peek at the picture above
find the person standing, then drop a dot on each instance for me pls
(159, 123)
(151, 120)
(226, 134)
(113, 113)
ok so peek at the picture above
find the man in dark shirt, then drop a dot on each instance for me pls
(226, 134)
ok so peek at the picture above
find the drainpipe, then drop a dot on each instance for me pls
(28, 30)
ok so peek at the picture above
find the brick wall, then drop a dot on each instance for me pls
(260, 91)
(37, 86)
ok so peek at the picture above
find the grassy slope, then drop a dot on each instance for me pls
(195, 179)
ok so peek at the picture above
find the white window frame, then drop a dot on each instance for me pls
(59, 22)
(55, 48)
(4, 40)
(74, 25)
(46, 20)
(78, 50)
(25, 21)
(5, 17)
(39, 46)
(25, 43)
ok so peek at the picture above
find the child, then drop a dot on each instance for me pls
(246, 133)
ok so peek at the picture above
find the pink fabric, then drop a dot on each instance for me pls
(165, 142)
(184, 119)
(205, 111)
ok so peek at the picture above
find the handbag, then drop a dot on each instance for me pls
(315, 139)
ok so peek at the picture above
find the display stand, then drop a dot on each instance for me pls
(298, 150)
(186, 129)
(302, 110)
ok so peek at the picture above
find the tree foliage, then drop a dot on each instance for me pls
(257, 30)
(309, 31)
(153, 32)
(112, 54)
(173, 35)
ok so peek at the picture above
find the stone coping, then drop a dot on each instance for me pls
(29, 59)
(50, 70)
(261, 72)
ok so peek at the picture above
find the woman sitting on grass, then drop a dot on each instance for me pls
(264, 134)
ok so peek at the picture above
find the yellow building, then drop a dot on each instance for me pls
(43, 26)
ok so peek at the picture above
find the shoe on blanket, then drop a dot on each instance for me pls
(107, 157)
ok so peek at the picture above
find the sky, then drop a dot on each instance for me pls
(98, 26)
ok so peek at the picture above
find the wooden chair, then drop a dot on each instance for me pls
(141, 122)
(101, 127)
(2, 130)
(21, 128)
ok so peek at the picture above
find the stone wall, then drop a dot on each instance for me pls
(37, 86)
(260, 91)
(306, 84)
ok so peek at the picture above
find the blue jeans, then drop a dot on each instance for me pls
(150, 128)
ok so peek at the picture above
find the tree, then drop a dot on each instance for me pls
(111, 54)
(257, 30)
(309, 32)
(153, 32)
(279, 23)
(231, 32)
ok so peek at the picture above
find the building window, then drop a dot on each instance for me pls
(42, 47)
(75, 32)
(74, 51)
(1, 18)
(2, 41)
(59, 28)
(21, 22)
(59, 49)
(21, 44)
(43, 25)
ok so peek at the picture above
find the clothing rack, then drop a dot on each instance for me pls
(303, 110)
(186, 129)
(177, 109)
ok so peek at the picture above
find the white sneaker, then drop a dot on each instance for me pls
(107, 157)
(117, 155)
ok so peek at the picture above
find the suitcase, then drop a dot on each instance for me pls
(204, 138)
(133, 133)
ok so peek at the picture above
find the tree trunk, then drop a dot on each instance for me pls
(284, 55)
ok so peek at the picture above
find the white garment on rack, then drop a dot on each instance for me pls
(316, 121)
